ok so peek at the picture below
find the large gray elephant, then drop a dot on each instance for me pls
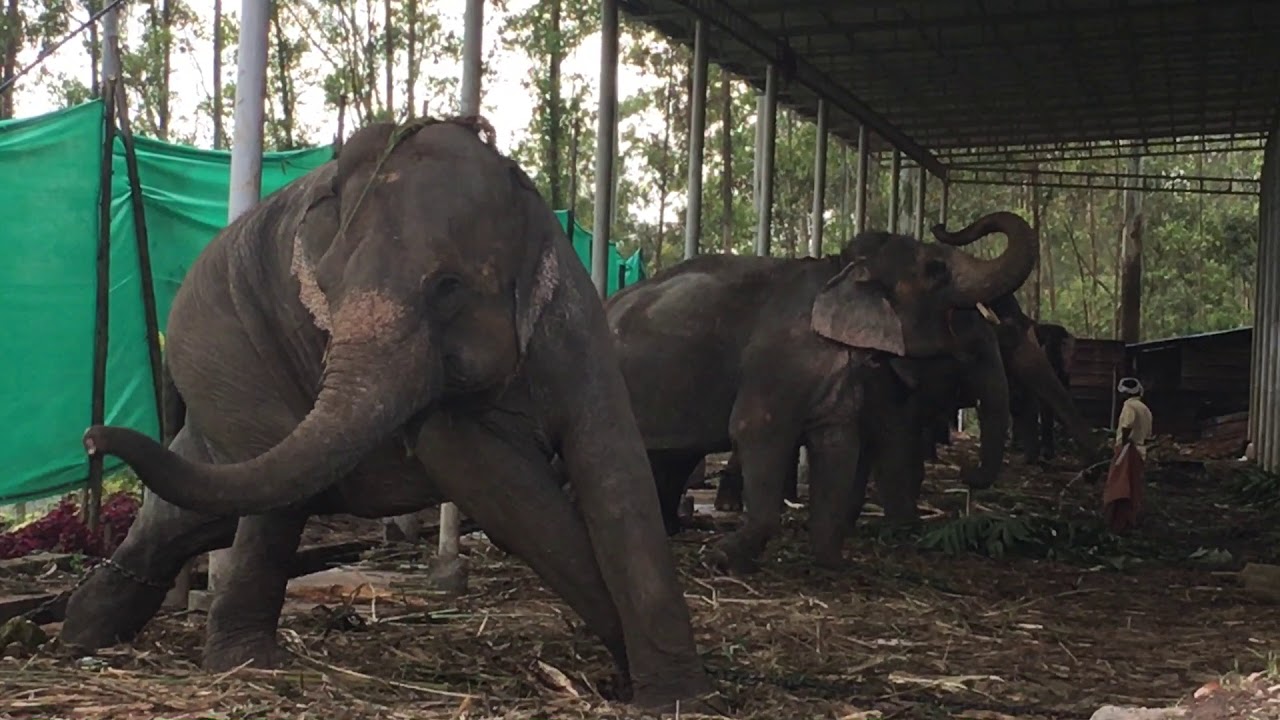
(403, 325)
(759, 355)
(895, 424)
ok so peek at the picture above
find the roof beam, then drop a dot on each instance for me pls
(1105, 180)
(769, 46)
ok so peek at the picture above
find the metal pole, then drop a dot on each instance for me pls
(246, 153)
(921, 177)
(895, 189)
(860, 189)
(819, 181)
(764, 222)
(606, 129)
(448, 574)
(1263, 358)
(697, 132)
(1269, 307)
(946, 202)
(845, 219)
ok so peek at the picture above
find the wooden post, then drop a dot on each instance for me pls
(150, 316)
(97, 413)
(1131, 269)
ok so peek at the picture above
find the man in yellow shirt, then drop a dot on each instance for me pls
(1122, 494)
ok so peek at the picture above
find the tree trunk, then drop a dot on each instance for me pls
(726, 161)
(284, 82)
(166, 65)
(12, 41)
(412, 40)
(1131, 273)
(554, 107)
(1037, 287)
(95, 51)
(664, 177)
(217, 75)
(390, 52)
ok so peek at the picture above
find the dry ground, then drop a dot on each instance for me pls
(904, 632)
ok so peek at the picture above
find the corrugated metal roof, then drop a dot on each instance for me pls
(938, 75)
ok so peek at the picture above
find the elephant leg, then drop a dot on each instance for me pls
(246, 608)
(867, 460)
(929, 440)
(729, 487)
(1046, 430)
(671, 471)
(791, 483)
(766, 458)
(507, 486)
(698, 475)
(120, 597)
(899, 476)
(832, 497)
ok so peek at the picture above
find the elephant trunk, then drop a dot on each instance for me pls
(353, 412)
(1032, 366)
(981, 281)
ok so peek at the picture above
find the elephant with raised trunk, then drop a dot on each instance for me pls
(760, 355)
(405, 324)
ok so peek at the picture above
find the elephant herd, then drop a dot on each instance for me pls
(408, 324)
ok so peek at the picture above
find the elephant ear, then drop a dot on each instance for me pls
(313, 232)
(538, 272)
(851, 310)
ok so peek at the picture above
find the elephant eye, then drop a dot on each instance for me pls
(445, 286)
(935, 269)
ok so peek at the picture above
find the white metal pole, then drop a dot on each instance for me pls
(860, 181)
(606, 137)
(246, 154)
(819, 181)
(697, 133)
(448, 573)
(895, 190)
(764, 222)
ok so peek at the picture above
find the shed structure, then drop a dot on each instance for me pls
(966, 89)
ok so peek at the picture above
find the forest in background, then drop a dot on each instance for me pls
(382, 58)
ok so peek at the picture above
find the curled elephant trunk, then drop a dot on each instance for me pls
(352, 414)
(981, 281)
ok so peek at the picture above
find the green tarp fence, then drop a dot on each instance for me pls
(50, 171)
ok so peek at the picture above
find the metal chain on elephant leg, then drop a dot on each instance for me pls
(103, 563)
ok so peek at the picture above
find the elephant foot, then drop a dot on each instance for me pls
(728, 501)
(685, 513)
(730, 556)
(682, 705)
(256, 649)
(448, 577)
(108, 608)
(977, 478)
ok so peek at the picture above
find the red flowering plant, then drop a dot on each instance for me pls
(64, 530)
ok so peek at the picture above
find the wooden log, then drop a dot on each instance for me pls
(1262, 581)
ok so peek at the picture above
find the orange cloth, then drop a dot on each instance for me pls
(1123, 491)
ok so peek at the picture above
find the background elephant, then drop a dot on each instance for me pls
(405, 324)
(1035, 361)
(759, 355)
(896, 423)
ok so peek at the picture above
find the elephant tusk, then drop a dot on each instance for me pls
(986, 313)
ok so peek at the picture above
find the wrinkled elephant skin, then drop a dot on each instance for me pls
(405, 324)
(762, 355)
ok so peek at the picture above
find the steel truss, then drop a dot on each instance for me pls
(967, 175)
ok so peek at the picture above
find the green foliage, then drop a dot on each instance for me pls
(1031, 536)
(1254, 487)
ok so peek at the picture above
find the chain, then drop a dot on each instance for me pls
(107, 563)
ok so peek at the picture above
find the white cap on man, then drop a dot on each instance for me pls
(1130, 386)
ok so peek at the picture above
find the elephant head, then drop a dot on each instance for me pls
(425, 258)
(894, 293)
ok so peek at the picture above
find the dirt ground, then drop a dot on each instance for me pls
(1036, 617)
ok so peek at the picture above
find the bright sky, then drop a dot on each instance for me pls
(507, 104)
